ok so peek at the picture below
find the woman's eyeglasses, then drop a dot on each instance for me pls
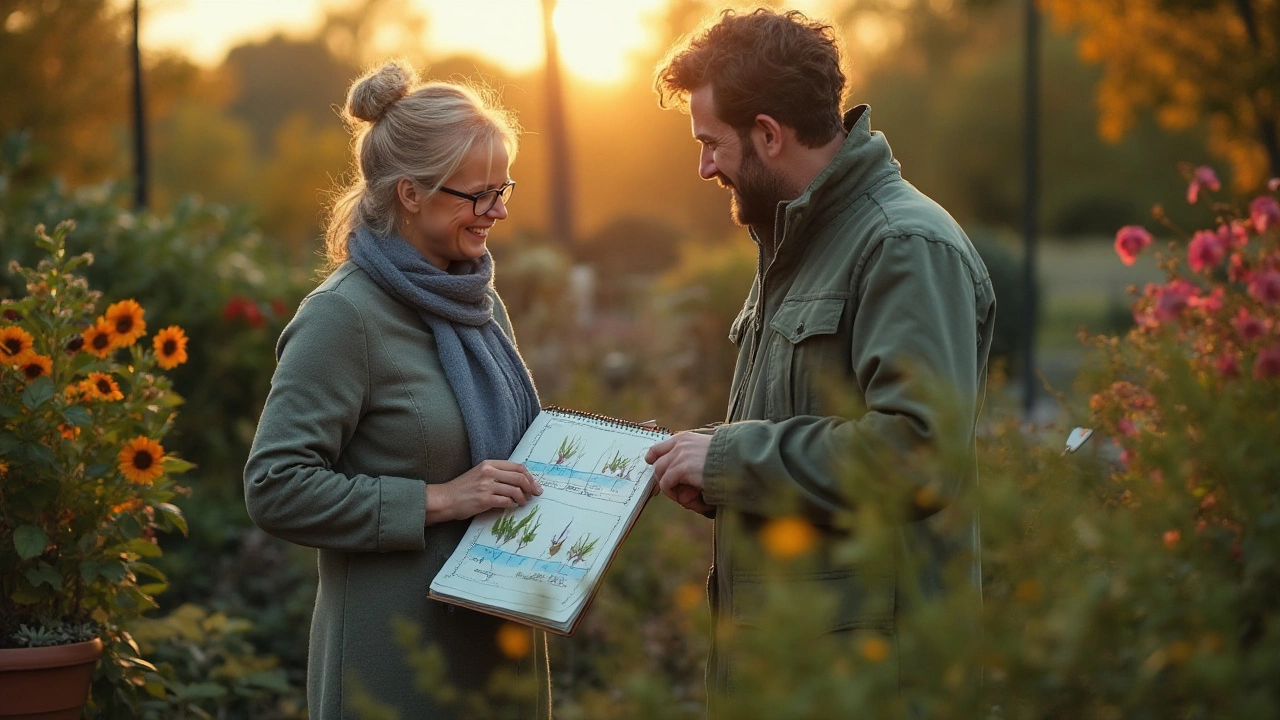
(483, 202)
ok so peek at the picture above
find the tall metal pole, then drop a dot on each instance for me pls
(561, 186)
(139, 121)
(1031, 206)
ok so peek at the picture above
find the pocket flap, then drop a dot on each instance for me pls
(799, 319)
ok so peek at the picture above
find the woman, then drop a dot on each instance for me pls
(398, 394)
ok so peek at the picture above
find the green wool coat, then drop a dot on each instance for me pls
(867, 285)
(360, 419)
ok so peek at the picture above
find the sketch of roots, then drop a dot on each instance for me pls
(570, 448)
(557, 542)
(581, 548)
(507, 527)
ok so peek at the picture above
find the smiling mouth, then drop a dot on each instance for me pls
(482, 231)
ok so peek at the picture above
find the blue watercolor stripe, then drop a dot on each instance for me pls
(507, 559)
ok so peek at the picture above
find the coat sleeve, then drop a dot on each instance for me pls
(318, 394)
(916, 354)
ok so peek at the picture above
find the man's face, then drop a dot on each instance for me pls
(755, 191)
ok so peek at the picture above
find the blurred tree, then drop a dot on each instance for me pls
(1188, 61)
(282, 77)
(367, 31)
(296, 180)
(66, 79)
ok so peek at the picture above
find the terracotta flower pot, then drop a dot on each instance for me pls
(48, 683)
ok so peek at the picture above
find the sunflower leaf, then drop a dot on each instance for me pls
(8, 411)
(38, 392)
(78, 416)
(29, 541)
(97, 470)
(40, 454)
(173, 515)
(175, 465)
(44, 575)
(9, 443)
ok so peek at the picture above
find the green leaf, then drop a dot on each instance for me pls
(8, 411)
(154, 689)
(144, 548)
(97, 470)
(176, 464)
(148, 570)
(9, 444)
(273, 680)
(41, 455)
(78, 416)
(89, 570)
(38, 392)
(153, 589)
(44, 575)
(112, 572)
(30, 541)
(173, 514)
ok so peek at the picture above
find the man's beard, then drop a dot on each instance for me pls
(755, 196)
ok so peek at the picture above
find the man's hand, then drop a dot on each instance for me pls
(677, 464)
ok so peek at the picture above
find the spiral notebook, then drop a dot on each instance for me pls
(542, 564)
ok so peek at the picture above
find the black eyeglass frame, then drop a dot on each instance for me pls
(504, 191)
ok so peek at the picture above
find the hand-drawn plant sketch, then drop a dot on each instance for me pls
(506, 527)
(618, 466)
(581, 548)
(570, 447)
(558, 541)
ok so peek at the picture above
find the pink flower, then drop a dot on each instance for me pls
(1205, 251)
(1234, 236)
(1204, 177)
(1127, 427)
(1236, 270)
(1229, 365)
(1249, 327)
(1265, 213)
(1210, 303)
(1173, 298)
(1267, 365)
(1130, 240)
(1265, 287)
(1273, 184)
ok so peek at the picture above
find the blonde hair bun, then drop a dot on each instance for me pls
(373, 92)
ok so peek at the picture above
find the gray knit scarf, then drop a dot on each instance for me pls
(488, 377)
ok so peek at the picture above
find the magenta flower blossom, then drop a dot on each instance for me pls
(1206, 251)
(1234, 236)
(1249, 327)
(1273, 184)
(1267, 365)
(1130, 240)
(1173, 299)
(1229, 365)
(1265, 213)
(1265, 287)
(1204, 177)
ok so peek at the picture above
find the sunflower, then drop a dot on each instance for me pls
(127, 325)
(142, 460)
(101, 386)
(171, 347)
(15, 344)
(98, 339)
(35, 366)
(69, 432)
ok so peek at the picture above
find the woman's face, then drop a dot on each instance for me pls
(445, 227)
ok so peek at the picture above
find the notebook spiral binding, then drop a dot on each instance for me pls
(606, 420)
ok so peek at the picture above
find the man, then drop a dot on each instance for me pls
(861, 277)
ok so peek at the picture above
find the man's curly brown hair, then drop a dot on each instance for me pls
(781, 64)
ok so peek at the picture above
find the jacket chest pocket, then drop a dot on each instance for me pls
(805, 349)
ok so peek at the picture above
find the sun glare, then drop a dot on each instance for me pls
(598, 39)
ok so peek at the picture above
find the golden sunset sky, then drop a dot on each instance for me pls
(597, 37)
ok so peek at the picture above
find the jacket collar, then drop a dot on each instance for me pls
(862, 161)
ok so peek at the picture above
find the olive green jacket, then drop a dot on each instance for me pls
(360, 419)
(872, 285)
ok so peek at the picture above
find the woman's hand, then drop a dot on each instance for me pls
(491, 484)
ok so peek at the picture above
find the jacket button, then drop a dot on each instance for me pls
(800, 328)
